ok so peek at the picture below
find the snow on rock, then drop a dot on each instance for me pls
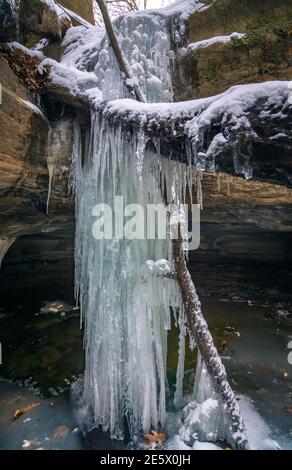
(260, 436)
(232, 114)
(31, 52)
(65, 12)
(181, 8)
(195, 46)
(81, 47)
(199, 419)
(80, 85)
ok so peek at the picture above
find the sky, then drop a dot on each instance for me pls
(157, 3)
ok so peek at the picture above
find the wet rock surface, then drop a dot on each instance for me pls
(263, 54)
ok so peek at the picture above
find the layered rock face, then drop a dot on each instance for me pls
(9, 20)
(83, 8)
(246, 229)
(215, 58)
(36, 132)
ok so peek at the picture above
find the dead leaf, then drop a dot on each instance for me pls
(287, 410)
(155, 439)
(223, 344)
(60, 432)
(286, 375)
(237, 333)
(263, 370)
(22, 411)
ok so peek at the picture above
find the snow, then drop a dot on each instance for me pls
(258, 432)
(182, 8)
(79, 84)
(82, 47)
(205, 446)
(231, 111)
(32, 53)
(157, 111)
(33, 107)
(195, 46)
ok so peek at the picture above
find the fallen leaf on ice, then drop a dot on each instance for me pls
(61, 431)
(155, 439)
(287, 410)
(26, 409)
(223, 344)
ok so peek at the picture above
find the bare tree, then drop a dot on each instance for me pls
(118, 7)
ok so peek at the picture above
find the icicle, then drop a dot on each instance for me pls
(126, 307)
(51, 169)
(178, 396)
(228, 185)
(219, 182)
(58, 135)
(200, 189)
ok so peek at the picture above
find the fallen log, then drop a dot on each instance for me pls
(198, 328)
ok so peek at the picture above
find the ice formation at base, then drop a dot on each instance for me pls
(203, 418)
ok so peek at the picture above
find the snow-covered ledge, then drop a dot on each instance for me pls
(226, 124)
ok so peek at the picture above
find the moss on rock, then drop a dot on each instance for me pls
(265, 53)
(82, 8)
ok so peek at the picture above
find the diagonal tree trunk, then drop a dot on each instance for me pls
(205, 344)
(122, 61)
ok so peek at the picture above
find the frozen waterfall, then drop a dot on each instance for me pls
(126, 297)
(125, 303)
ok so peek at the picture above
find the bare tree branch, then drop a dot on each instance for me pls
(205, 344)
(116, 8)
